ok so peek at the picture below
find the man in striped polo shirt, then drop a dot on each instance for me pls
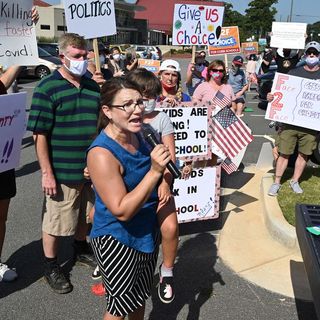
(63, 119)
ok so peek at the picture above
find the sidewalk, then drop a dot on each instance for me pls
(257, 243)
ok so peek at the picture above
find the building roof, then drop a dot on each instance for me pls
(160, 13)
(41, 3)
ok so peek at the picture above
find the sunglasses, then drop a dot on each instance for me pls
(201, 64)
(217, 70)
(314, 52)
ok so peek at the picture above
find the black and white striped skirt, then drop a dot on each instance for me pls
(127, 274)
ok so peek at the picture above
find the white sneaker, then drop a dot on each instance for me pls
(7, 274)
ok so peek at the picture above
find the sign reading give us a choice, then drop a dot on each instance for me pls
(296, 101)
(90, 18)
(18, 44)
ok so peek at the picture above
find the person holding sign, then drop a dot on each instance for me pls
(7, 178)
(63, 118)
(215, 88)
(291, 135)
(161, 125)
(125, 176)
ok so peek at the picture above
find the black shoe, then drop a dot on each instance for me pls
(166, 288)
(57, 280)
(84, 254)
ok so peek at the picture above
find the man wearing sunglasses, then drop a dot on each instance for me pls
(292, 135)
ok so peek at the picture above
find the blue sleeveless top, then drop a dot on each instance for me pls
(139, 232)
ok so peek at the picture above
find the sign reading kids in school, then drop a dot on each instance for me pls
(90, 18)
(196, 24)
(296, 101)
(229, 42)
(18, 43)
(191, 129)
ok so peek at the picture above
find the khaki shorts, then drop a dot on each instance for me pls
(290, 136)
(61, 212)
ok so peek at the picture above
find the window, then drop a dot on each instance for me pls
(62, 28)
(45, 27)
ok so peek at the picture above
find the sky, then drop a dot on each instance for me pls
(302, 10)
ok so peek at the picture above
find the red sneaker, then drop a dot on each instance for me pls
(98, 289)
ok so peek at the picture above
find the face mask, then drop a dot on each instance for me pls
(102, 59)
(77, 67)
(235, 68)
(312, 61)
(216, 75)
(166, 86)
(116, 57)
(200, 68)
(149, 105)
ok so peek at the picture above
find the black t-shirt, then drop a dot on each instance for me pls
(303, 73)
(267, 56)
(285, 64)
(2, 88)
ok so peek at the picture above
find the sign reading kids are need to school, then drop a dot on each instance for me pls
(196, 24)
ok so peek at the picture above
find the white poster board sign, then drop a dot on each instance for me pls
(18, 43)
(196, 24)
(288, 35)
(91, 19)
(12, 128)
(191, 129)
(296, 101)
(197, 198)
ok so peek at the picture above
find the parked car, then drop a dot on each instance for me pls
(52, 48)
(141, 50)
(47, 64)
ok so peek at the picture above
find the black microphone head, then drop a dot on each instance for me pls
(149, 136)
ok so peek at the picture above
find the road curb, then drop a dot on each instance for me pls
(275, 222)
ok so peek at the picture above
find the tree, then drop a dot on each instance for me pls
(234, 18)
(259, 17)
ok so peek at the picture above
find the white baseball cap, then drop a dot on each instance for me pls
(171, 65)
(313, 44)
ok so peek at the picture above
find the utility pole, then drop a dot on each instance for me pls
(291, 10)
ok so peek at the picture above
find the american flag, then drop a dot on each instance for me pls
(221, 100)
(229, 166)
(230, 133)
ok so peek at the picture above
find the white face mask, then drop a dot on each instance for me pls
(77, 67)
(116, 56)
(312, 61)
(149, 105)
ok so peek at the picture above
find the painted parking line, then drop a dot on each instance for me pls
(265, 136)
(257, 115)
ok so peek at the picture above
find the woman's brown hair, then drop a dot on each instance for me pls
(213, 65)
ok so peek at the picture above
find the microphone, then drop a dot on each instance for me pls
(153, 141)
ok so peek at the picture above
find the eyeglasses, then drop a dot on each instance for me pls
(217, 70)
(310, 52)
(130, 106)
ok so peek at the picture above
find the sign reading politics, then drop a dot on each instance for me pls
(196, 24)
(18, 43)
(12, 128)
(91, 19)
(197, 198)
(296, 101)
(229, 42)
(191, 129)
(149, 64)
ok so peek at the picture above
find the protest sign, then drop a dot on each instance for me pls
(288, 35)
(196, 24)
(229, 42)
(296, 101)
(91, 19)
(191, 129)
(197, 198)
(12, 128)
(18, 43)
(149, 64)
(249, 48)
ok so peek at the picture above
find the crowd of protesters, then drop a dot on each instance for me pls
(99, 175)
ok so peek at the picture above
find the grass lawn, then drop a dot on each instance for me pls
(309, 182)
